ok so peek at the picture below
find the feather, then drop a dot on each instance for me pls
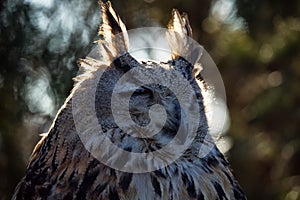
(179, 38)
(113, 32)
(65, 165)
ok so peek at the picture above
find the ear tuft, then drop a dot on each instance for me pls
(187, 25)
(180, 24)
(115, 40)
(179, 31)
(112, 23)
(179, 38)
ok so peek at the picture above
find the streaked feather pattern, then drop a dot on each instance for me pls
(61, 168)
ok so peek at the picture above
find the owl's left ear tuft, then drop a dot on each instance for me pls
(113, 32)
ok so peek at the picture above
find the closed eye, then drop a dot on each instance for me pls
(143, 90)
(140, 91)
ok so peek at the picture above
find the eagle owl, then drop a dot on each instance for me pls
(95, 149)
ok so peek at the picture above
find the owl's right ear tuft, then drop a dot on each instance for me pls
(180, 23)
(179, 31)
(179, 38)
(113, 32)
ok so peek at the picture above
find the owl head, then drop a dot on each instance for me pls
(141, 106)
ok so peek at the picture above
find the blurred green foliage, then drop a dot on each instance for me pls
(256, 45)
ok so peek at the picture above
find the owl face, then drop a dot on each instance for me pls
(149, 112)
(146, 99)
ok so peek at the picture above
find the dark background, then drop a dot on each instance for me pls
(256, 45)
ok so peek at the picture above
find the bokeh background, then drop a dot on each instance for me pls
(256, 45)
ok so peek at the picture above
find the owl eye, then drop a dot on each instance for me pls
(140, 91)
(143, 91)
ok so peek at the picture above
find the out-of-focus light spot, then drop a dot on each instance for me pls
(266, 52)
(57, 45)
(66, 17)
(210, 25)
(279, 42)
(39, 98)
(295, 24)
(264, 146)
(293, 194)
(40, 3)
(60, 21)
(222, 9)
(41, 20)
(287, 152)
(274, 79)
(85, 36)
(225, 11)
